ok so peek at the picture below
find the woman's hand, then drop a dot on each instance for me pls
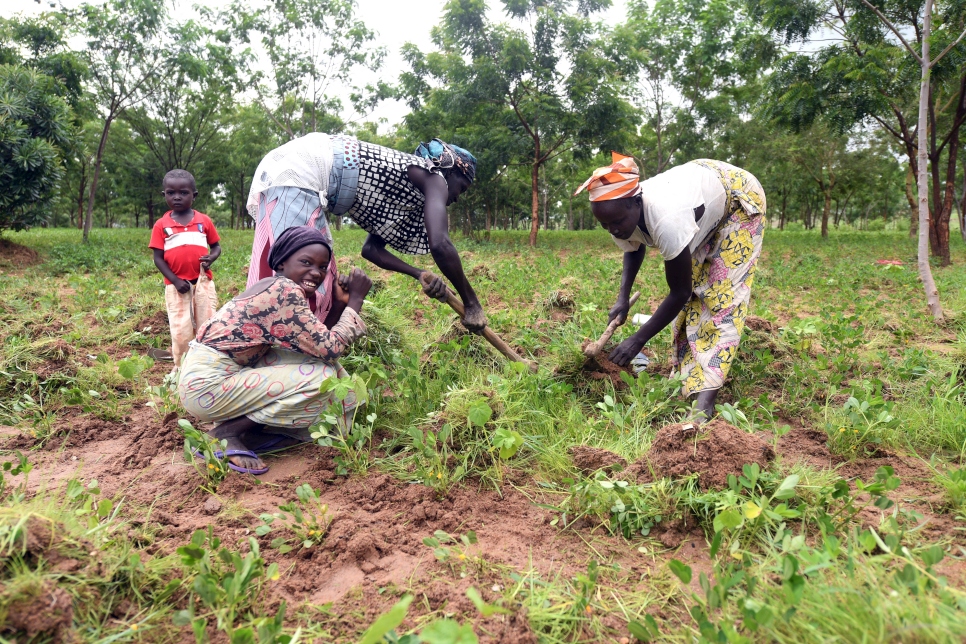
(435, 288)
(358, 287)
(620, 310)
(342, 289)
(626, 350)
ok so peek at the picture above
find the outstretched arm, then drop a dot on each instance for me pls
(678, 274)
(632, 265)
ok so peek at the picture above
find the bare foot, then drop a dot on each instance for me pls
(474, 319)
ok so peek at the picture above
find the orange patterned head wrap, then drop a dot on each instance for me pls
(618, 180)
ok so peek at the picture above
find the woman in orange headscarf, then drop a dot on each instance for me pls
(707, 219)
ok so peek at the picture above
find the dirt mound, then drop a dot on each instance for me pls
(153, 440)
(16, 256)
(600, 367)
(49, 612)
(83, 428)
(590, 459)
(809, 445)
(155, 324)
(756, 323)
(718, 450)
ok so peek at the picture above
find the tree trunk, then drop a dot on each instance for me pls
(150, 206)
(80, 196)
(570, 212)
(89, 217)
(913, 206)
(535, 193)
(781, 216)
(487, 221)
(925, 272)
(825, 213)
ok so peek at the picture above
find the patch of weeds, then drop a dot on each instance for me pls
(226, 586)
(862, 426)
(21, 466)
(37, 413)
(433, 456)
(306, 518)
(953, 481)
(453, 551)
(625, 508)
(212, 468)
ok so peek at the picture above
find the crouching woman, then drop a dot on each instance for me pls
(256, 367)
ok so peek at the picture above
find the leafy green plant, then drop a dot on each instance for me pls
(307, 518)
(352, 439)
(226, 584)
(164, 397)
(211, 468)
(479, 413)
(801, 333)
(954, 482)
(15, 468)
(83, 499)
(452, 551)
(432, 465)
(133, 368)
(507, 442)
(625, 508)
(745, 510)
(861, 426)
(35, 411)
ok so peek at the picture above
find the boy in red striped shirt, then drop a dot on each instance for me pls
(181, 240)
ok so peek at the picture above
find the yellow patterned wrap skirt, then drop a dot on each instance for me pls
(708, 329)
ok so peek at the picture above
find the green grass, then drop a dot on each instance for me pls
(843, 345)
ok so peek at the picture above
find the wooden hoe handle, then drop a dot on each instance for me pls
(454, 303)
(594, 348)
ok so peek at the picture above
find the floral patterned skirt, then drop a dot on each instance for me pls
(708, 329)
(280, 391)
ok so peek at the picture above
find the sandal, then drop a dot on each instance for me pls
(237, 452)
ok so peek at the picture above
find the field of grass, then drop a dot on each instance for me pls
(458, 510)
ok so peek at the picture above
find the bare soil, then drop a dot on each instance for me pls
(16, 256)
(713, 451)
(591, 459)
(600, 367)
(374, 551)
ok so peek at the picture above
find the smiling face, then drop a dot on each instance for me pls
(619, 217)
(456, 184)
(306, 267)
(179, 193)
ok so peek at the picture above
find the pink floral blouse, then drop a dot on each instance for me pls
(246, 328)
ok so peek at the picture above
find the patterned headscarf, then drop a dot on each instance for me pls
(445, 156)
(618, 180)
(291, 240)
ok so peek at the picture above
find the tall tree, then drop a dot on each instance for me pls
(183, 122)
(546, 76)
(317, 51)
(34, 126)
(694, 62)
(126, 63)
(855, 67)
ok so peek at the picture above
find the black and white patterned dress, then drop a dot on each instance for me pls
(386, 202)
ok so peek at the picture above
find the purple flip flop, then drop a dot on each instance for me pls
(237, 452)
(242, 452)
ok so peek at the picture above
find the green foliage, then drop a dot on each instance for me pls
(34, 126)
(307, 518)
(227, 584)
(452, 551)
(200, 450)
